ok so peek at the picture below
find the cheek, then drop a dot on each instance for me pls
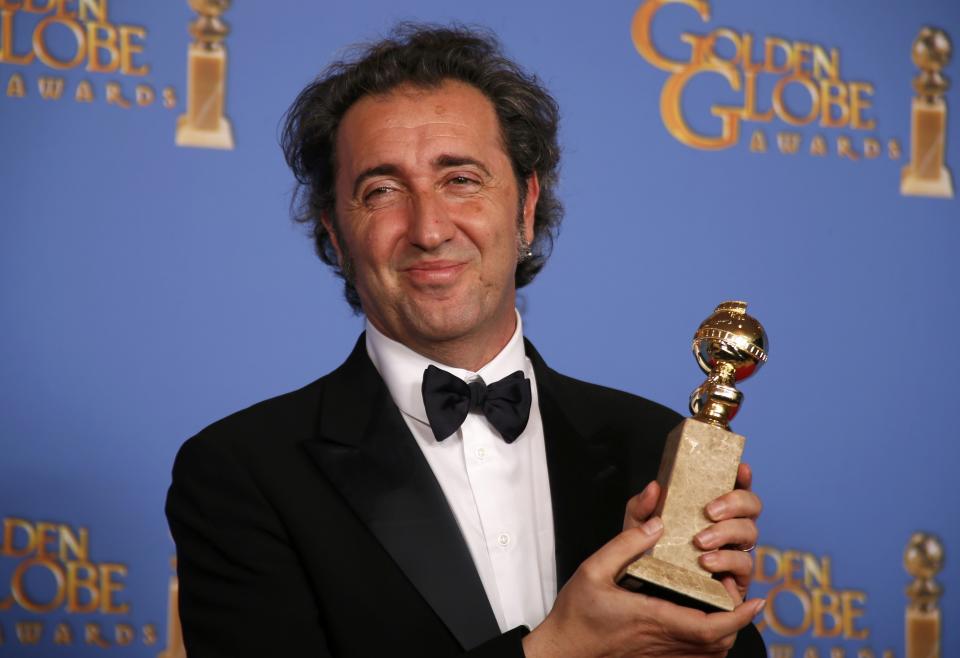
(377, 242)
(498, 252)
(491, 227)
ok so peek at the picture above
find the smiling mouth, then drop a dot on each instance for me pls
(434, 272)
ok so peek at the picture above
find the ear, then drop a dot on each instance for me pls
(530, 206)
(327, 222)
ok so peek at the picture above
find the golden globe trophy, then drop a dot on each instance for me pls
(926, 174)
(700, 460)
(204, 124)
(923, 559)
(174, 648)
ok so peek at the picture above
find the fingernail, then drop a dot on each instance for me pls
(706, 538)
(653, 526)
(709, 558)
(715, 509)
(759, 607)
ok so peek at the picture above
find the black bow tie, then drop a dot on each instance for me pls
(448, 399)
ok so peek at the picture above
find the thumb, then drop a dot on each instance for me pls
(641, 506)
(614, 556)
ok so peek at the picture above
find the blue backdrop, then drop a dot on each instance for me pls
(148, 289)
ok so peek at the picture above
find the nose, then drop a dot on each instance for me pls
(430, 223)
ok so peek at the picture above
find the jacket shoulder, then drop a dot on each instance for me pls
(264, 431)
(290, 412)
(592, 399)
(600, 409)
(584, 400)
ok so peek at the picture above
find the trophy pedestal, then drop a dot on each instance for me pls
(220, 137)
(204, 124)
(940, 186)
(926, 174)
(699, 464)
(174, 648)
(923, 634)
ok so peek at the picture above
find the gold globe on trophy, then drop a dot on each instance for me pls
(208, 29)
(700, 460)
(931, 53)
(729, 346)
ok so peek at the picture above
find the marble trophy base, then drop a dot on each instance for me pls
(699, 464)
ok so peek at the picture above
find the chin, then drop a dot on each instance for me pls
(443, 324)
(449, 316)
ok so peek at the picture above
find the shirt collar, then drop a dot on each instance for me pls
(402, 369)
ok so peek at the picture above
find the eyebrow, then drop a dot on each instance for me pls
(370, 172)
(443, 161)
(447, 160)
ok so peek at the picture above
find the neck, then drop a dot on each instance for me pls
(465, 353)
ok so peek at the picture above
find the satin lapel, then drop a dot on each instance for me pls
(367, 452)
(586, 485)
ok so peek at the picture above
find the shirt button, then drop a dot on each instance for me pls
(503, 539)
(481, 453)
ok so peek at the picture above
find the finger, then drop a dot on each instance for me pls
(608, 563)
(732, 532)
(715, 626)
(735, 589)
(739, 564)
(702, 629)
(738, 503)
(744, 476)
(641, 506)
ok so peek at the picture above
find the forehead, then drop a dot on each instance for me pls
(411, 123)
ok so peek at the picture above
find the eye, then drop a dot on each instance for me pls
(462, 182)
(376, 191)
(378, 195)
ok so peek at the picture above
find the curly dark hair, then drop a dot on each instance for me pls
(424, 56)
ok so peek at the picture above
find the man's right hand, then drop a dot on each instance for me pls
(593, 616)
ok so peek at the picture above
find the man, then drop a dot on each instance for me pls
(426, 499)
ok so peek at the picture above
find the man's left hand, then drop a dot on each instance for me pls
(733, 533)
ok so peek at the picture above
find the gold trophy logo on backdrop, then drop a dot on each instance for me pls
(923, 559)
(701, 457)
(926, 174)
(174, 648)
(204, 124)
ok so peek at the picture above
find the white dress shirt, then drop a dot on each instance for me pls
(498, 492)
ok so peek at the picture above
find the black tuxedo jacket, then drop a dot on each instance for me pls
(312, 525)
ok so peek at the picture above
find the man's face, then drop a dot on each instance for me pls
(427, 213)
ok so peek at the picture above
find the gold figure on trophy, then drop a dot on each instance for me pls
(700, 460)
(204, 124)
(926, 174)
(922, 559)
